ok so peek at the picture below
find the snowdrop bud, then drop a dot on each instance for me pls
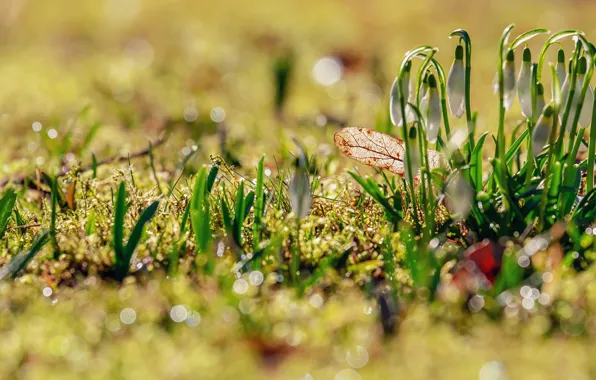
(509, 79)
(565, 89)
(424, 94)
(456, 83)
(542, 131)
(561, 73)
(539, 100)
(524, 79)
(406, 81)
(459, 196)
(424, 84)
(394, 103)
(434, 111)
(414, 159)
(410, 115)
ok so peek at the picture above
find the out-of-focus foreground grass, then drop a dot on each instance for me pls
(135, 66)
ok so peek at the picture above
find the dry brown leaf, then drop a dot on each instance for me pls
(378, 149)
(70, 195)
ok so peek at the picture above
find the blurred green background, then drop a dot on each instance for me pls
(132, 60)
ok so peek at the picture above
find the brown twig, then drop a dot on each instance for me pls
(19, 180)
(24, 226)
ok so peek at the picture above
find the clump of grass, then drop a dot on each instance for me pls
(124, 252)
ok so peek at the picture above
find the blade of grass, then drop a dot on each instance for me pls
(6, 206)
(137, 231)
(259, 205)
(119, 215)
(591, 149)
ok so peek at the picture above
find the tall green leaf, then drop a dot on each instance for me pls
(119, 215)
(259, 204)
(137, 231)
(200, 217)
(6, 205)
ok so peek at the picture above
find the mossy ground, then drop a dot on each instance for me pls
(142, 70)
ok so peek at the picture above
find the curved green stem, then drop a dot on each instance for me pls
(421, 71)
(551, 41)
(570, 96)
(591, 149)
(425, 182)
(402, 103)
(530, 125)
(590, 66)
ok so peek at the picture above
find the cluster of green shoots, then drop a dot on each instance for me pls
(534, 181)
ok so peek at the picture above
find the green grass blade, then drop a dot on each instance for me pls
(55, 197)
(515, 146)
(249, 201)
(225, 213)
(6, 205)
(119, 215)
(137, 231)
(372, 188)
(476, 162)
(238, 214)
(212, 176)
(90, 136)
(591, 149)
(201, 218)
(19, 219)
(90, 225)
(259, 204)
(20, 261)
(180, 244)
(94, 165)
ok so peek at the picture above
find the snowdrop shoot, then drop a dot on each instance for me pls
(459, 196)
(434, 111)
(412, 156)
(560, 68)
(524, 92)
(424, 94)
(509, 79)
(540, 103)
(542, 131)
(456, 84)
(394, 103)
